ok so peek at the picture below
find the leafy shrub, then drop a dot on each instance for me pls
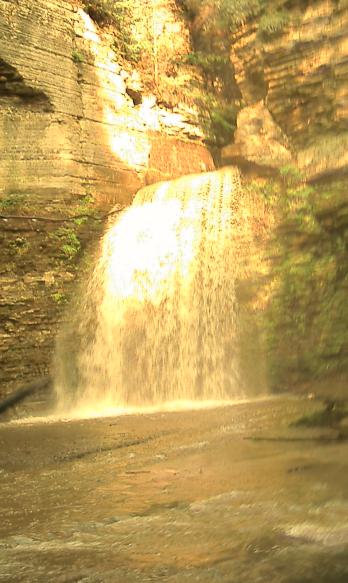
(129, 49)
(212, 23)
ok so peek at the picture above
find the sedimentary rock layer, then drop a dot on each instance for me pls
(301, 75)
(72, 132)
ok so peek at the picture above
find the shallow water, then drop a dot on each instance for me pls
(222, 495)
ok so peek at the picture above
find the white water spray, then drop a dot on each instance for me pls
(158, 323)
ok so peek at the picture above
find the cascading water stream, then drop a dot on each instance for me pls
(158, 322)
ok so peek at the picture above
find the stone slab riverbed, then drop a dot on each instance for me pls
(225, 495)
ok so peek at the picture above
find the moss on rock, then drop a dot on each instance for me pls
(306, 321)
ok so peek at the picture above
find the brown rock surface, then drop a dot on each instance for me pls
(301, 74)
(258, 139)
(68, 121)
(69, 132)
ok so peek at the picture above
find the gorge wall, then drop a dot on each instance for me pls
(293, 81)
(79, 134)
(291, 67)
(82, 130)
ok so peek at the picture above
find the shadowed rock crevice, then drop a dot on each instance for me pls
(13, 86)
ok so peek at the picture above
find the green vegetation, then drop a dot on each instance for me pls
(12, 201)
(211, 64)
(237, 12)
(272, 23)
(216, 96)
(77, 57)
(213, 23)
(291, 175)
(215, 17)
(305, 323)
(86, 207)
(60, 298)
(227, 13)
(69, 242)
(218, 120)
(306, 320)
(125, 17)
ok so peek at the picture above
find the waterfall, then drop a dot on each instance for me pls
(159, 322)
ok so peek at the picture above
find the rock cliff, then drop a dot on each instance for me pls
(293, 129)
(78, 132)
(298, 76)
(82, 131)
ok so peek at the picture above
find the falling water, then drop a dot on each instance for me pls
(158, 322)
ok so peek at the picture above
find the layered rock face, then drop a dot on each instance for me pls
(74, 133)
(69, 123)
(294, 85)
(300, 77)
